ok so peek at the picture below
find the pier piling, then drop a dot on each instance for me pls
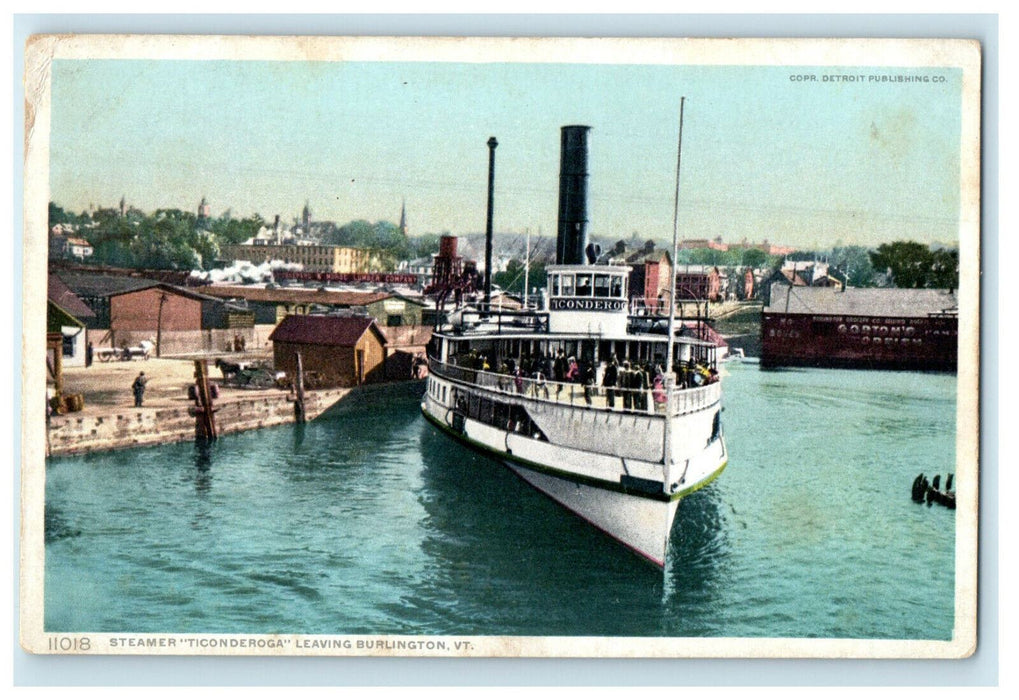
(205, 420)
(299, 414)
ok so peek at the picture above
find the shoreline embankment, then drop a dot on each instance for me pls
(119, 428)
(108, 419)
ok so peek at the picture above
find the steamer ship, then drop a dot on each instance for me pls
(610, 411)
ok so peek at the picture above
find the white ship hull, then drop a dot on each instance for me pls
(627, 493)
(642, 524)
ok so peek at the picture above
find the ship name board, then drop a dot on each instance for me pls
(587, 304)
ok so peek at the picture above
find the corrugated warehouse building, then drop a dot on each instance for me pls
(865, 328)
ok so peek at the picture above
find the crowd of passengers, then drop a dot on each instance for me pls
(632, 382)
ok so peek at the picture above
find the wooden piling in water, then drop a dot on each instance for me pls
(205, 420)
(299, 391)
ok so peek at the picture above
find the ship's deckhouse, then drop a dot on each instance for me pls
(588, 299)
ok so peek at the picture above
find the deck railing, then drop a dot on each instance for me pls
(640, 401)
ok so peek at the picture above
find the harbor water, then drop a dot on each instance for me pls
(366, 521)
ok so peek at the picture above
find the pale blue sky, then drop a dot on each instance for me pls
(764, 157)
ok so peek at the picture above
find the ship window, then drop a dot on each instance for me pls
(617, 287)
(555, 284)
(842, 328)
(865, 340)
(601, 285)
(584, 285)
(854, 328)
(866, 329)
(567, 285)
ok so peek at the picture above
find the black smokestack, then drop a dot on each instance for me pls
(572, 237)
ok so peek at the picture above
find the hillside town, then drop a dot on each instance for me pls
(358, 302)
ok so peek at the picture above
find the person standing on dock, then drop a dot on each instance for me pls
(138, 387)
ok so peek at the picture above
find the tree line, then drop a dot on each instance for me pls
(172, 239)
(906, 264)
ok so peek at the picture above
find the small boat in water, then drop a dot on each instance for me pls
(615, 418)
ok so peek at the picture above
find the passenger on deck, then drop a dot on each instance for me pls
(658, 389)
(587, 379)
(559, 369)
(539, 384)
(572, 370)
(609, 380)
(625, 378)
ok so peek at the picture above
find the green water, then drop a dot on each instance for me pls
(370, 522)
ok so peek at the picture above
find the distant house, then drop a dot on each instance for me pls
(335, 350)
(67, 315)
(700, 283)
(807, 273)
(865, 328)
(66, 332)
(77, 248)
(423, 270)
(649, 278)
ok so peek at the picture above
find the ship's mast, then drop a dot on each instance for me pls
(527, 270)
(670, 377)
(675, 243)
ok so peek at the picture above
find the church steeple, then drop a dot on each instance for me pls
(403, 218)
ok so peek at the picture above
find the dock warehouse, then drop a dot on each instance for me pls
(130, 309)
(865, 328)
(273, 304)
(335, 350)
